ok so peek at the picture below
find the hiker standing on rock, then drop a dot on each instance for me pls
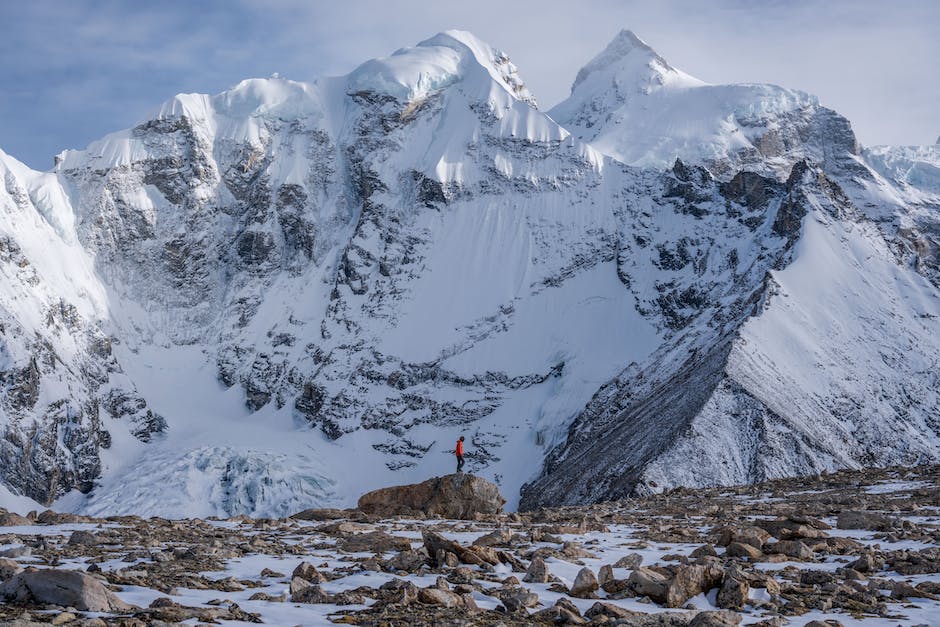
(459, 453)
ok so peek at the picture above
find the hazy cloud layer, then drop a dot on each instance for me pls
(75, 70)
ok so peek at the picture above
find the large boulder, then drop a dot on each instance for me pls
(375, 542)
(585, 584)
(438, 548)
(674, 586)
(12, 519)
(872, 521)
(452, 496)
(537, 571)
(742, 534)
(68, 588)
(733, 593)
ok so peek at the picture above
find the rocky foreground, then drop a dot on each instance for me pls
(851, 548)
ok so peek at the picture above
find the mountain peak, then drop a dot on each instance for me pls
(631, 61)
(449, 57)
(626, 40)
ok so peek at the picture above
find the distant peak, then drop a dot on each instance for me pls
(457, 38)
(626, 40)
(624, 44)
(630, 59)
(433, 64)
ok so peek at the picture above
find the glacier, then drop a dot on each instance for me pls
(287, 294)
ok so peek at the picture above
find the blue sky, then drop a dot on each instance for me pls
(72, 71)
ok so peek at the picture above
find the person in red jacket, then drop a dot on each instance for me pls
(459, 452)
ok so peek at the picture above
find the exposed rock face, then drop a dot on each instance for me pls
(459, 495)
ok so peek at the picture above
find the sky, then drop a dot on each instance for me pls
(72, 71)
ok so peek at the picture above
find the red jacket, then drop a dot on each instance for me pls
(459, 449)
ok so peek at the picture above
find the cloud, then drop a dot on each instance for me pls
(75, 70)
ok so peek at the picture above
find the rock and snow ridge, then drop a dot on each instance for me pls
(286, 294)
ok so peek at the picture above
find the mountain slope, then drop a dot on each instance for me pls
(58, 373)
(290, 293)
(830, 364)
(374, 263)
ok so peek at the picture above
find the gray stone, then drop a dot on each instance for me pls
(733, 593)
(537, 571)
(796, 549)
(716, 619)
(68, 588)
(871, 521)
(631, 561)
(585, 584)
(308, 572)
(83, 538)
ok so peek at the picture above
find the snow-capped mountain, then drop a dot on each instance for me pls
(631, 104)
(804, 376)
(289, 293)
